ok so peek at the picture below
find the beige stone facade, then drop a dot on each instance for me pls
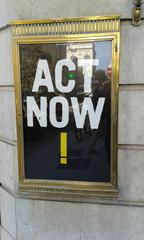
(119, 219)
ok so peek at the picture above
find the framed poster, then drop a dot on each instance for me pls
(66, 84)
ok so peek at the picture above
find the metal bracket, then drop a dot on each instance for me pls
(136, 15)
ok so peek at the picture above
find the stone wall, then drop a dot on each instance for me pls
(121, 219)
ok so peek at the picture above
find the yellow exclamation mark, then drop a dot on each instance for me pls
(63, 148)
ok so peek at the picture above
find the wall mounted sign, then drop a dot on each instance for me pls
(66, 78)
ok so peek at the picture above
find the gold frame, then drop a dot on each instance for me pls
(67, 30)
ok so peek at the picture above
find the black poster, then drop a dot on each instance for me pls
(66, 104)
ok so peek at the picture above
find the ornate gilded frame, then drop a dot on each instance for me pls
(58, 30)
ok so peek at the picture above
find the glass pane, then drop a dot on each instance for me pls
(67, 118)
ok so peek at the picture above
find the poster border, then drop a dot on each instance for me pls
(66, 189)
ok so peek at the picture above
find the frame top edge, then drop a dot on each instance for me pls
(74, 19)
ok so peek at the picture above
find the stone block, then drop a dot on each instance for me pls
(131, 117)
(131, 54)
(3, 15)
(130, 173)
(5, 235)
(34, 9)
(48, 220)
(8, 115)
(6, 64)
(104, 7)
(8, 216)
(126, 54)
(112, 222)
(68, 221)
(18, 9)
(8, 161)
